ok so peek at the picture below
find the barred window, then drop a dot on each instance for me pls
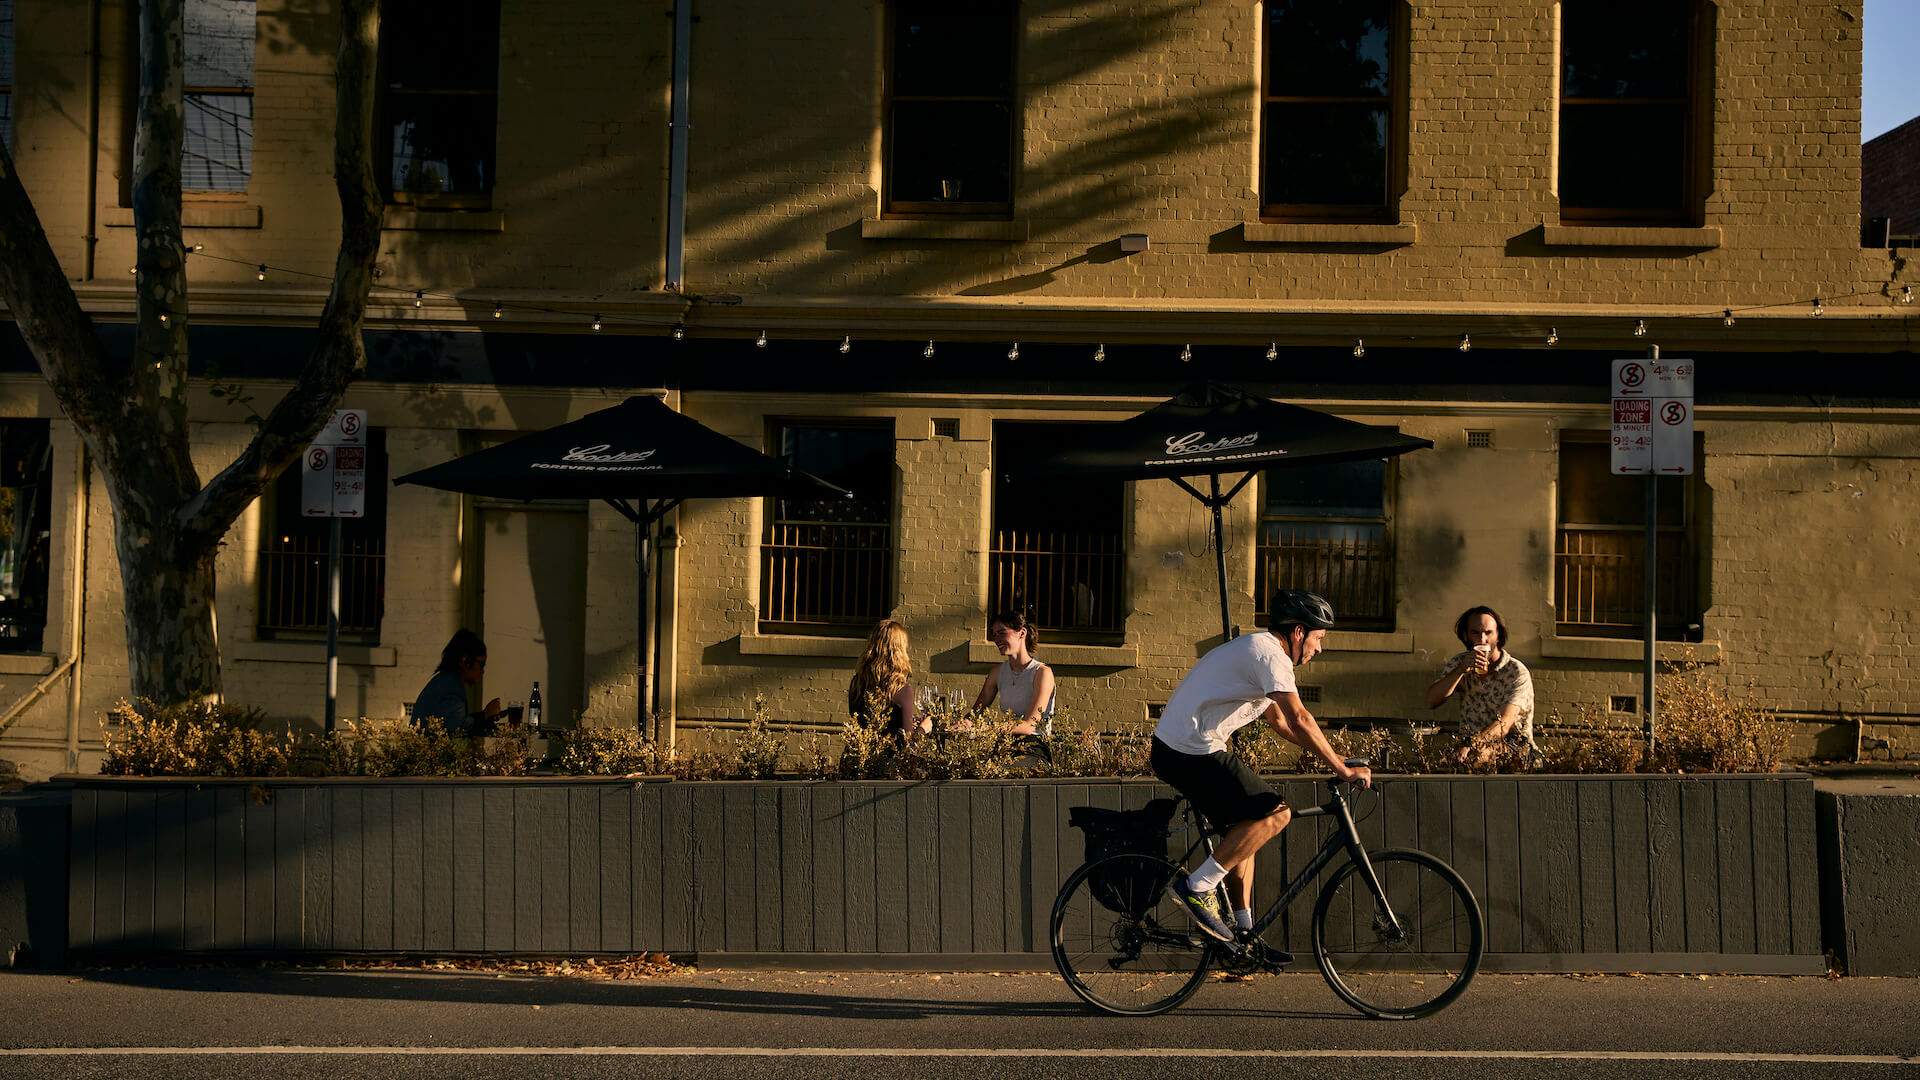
(217, 152)
(1329, 529)
(26, 532)
(1330, 126)
(1059, 549)
(950, 107)
(826, 564)
(6, 74)
(1600, 553)
(1629, 125)
(439, 99)
(294, 583)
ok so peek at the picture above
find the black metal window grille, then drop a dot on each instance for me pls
(826, 564)
(1599, 561)
(294, 581)
(1059, 545)
(1329, 529)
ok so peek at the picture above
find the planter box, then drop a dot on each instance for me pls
(1632, 873)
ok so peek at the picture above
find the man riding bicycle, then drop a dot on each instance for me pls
(1249, 678)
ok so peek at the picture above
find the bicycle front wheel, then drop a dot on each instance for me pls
(1408, 957)
(1121, 940)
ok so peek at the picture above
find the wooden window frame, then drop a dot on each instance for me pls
(1389, 505)
(269, 513)
(985, 210)
(383, 136)
(1395, 99)
(854, 627)
(1696, 97)
(188, 92)
(1690, 530)
(1113, 633)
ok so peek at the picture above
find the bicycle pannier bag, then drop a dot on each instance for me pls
(1125, 832)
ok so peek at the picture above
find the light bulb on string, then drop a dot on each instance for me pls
(679, 331)
(1639, 328)
(193, 249)
(165, 318)
(1014, 352)
(761, 341)
(1553, 336)
(1100, 353)
(1726, 317)
(1906, 294)
(846, 345)
(419, 298)
(1273, 351)
(1466, 344)
(260, 274)
(927, 353)
(1186, 354)
(134, 270)
(499, 312)
(596, 324)
(1359, 348)
(1819, 309)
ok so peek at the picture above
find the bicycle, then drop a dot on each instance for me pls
(1397, 933)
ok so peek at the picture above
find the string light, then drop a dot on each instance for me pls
(1906, 294)
(419, 297)
(596, 324)
(1186, 354)
(1100, 353)
(261, 274)
(846, 345)
(1639, 328)
(1726, 317)
(1359, 348)
(1014, 353)
(1819, 309)
(1466, 343)
(133, 270)
(1553, 336)
(165, 318)
(1273, 351)
(193, 249)
(761, 341)
(679, 331)
(498, 311)
(927, 352)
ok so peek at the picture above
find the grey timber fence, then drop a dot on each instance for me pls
(1589, 873)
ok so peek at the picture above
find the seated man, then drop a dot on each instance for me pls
(1249, 678)
(1496, 692)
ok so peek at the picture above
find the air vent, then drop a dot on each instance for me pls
(1623, 703)
(1309, 693)
(1480, 440)
(946, 427)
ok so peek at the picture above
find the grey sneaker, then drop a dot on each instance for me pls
(1264, 954)
(1203, 909)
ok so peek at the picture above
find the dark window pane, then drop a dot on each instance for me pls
(1592, 494)
(1630, 157)
(6, 119)
(6, 44)
(1058, 549)
(441, 144)
(217, 150)
(967, 142)
(1327, 155)
(1631, 49)
(26, 499)
(293, 557)
(218, 46)
(941, 52)
(1348, 489)
(443, 45)
(859, 459)
(1328, 48)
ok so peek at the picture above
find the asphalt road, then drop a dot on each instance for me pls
(251, 1022)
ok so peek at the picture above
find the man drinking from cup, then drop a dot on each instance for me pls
(1496, 692)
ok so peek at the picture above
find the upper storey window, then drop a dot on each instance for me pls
(217, 97)
(1630, 120)
(1331, 130)
(440, 91)
(950, 107)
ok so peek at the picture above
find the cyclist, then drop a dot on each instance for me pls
(1249, 678)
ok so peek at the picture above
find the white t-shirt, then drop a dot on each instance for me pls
(1016, 692)
(1225, 691)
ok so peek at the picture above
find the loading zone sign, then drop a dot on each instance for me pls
(1653, 417)
(333, 480)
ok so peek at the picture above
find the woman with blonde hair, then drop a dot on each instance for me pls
(885, 670)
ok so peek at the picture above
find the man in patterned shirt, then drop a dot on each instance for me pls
(1496, 693)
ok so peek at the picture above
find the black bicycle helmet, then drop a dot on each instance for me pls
(1298, 606)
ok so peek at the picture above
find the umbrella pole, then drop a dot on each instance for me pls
(640, 635)
(1219, 556)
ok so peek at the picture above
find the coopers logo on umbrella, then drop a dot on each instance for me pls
(601, 458)
(1195, 448)
(1192, 443)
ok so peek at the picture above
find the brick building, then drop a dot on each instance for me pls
(1890, 181)
(1442, 217)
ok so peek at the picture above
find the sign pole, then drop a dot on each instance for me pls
(1652, 586)
(333, 619)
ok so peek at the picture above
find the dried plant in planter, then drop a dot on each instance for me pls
(1704, 727)
(193, 739)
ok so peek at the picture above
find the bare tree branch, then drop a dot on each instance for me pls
(339, 355)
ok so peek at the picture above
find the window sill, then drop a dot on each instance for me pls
(1579, 648)
(302, 652)
(27, 663)
(938, 229)
(197, 216)
(1705, 238)
(801, 645)
(407, 219)
(1064, 656)
(1361, 641)
(1329, 233)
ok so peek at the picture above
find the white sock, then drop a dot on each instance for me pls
(1243, 918)
(1208, 877)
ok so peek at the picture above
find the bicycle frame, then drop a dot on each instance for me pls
(1344, 839)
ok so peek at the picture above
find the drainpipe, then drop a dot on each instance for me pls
(677, 144)
(77, 613)
(90, 241)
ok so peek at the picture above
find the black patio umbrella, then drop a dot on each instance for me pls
(1212, 429)
(639, 457)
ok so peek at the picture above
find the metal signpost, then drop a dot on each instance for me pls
(333, 485)
(1652, 437)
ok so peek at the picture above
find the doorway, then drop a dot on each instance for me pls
(533, 603)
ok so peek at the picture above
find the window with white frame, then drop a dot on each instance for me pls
(217, 148)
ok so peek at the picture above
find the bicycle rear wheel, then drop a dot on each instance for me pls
(1121, 940)
(1408, 959)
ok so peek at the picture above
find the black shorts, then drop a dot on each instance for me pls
(1220, 785)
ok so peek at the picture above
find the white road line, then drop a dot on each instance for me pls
(979, 1052)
